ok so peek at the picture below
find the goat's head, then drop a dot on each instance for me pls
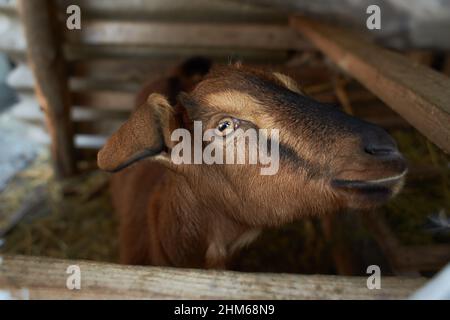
(328, 160)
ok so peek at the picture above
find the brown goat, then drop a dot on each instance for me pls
(190, 215)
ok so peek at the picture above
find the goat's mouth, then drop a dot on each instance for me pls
(369, 193)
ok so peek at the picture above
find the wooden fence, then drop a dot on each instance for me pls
(43, 278)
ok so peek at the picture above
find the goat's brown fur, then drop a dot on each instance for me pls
(198, 215)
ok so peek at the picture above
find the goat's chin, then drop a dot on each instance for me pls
(366, 195)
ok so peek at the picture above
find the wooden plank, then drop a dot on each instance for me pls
(242, 35)
(75, 52)
(47, 63)
(177, 10)
(424, 57)
(419, 94)
(105, 127)
(89, 113)
(133, 69)
(138, 70)
(45, 278)
(88, 77)
(104, 99)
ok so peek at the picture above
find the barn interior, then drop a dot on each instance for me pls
(60, 206)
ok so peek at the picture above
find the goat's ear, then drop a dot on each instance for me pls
(288, 82)
(145, 134)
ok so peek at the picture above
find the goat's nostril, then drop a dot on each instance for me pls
(377, 150)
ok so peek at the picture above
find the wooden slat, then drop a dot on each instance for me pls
(122, 70)
(75, 52)
(419, 94)
(43, 278)
(243, 35)
(105, 127)
(145, 69)
(177, 10)
(123, 77)
(112, 100)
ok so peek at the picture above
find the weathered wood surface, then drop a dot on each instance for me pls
(44, 278)
(193, 12)
(48, 65)
(177, 10)
(123, 70)
(419, 94)
(237, 35)
(76, 51)
(105, 99)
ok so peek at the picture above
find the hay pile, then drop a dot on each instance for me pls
(73, 220)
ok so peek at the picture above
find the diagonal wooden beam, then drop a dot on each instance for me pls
(420, 95)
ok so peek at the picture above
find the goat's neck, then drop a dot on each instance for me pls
(203, 223)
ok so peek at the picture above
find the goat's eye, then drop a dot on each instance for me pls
(226, 126)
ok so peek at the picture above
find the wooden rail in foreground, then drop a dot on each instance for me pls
(25, 277)
(420, 95)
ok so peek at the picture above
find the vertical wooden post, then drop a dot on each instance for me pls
(49, 69)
